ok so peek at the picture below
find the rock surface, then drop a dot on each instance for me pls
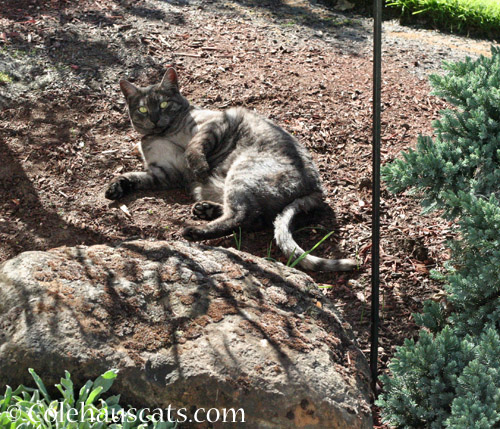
(187, 325)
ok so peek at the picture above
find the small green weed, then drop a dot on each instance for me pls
(292, 263)
(237, 238)
(361, 317)
(343, 22)
(325, 286)
(18, 53)
(5, 78)
(269, 250)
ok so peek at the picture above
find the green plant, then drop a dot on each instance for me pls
(325, 286)
(362, 315)
(5, 78)
(292, 263)
(30, 408)
(237, 238)
(481, 17)
(450, 376)
(269, 250)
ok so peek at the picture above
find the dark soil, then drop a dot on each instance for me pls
(65, 132)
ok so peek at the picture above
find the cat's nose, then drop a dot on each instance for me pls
(155, 119)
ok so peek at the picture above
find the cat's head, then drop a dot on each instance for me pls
(155, 109)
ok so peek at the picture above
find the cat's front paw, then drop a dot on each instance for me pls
(118, 188)
(192, 233)
(198, 166)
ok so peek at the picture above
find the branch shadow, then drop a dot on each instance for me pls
(129, 288)
(212, 286)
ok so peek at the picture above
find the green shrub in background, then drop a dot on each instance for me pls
(474, 17)
(450, 376)
(470, 17)
(30, 408)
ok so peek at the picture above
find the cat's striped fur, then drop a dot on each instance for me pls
(239, 167)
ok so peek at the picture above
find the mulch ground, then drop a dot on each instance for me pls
(65, 131)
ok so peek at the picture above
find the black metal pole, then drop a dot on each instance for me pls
(377, 89)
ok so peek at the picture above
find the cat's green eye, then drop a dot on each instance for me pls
(143, 109)
(164, 104)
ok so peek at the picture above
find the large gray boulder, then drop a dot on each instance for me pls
(187, 325)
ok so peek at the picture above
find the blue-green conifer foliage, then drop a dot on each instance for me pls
(450, 376)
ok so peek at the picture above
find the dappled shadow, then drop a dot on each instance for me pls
(18, 194)
(314, 225)
(176, 2)
(146, 12)
(152, 303)
(113, 43)
(20, 10)
(217, 285)
(67, 48)
(325, 22)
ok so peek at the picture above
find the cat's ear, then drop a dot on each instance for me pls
(169, 78)
(128, 89)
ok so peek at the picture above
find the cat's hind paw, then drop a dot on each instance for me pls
(207, 210)
(192, 233)
(118, 188)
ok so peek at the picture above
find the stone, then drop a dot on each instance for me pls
(187, 325)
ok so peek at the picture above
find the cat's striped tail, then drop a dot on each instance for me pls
(284, 238)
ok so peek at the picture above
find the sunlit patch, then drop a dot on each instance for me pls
(164, 104)
(143, 109)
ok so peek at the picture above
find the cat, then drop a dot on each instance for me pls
(239, 167)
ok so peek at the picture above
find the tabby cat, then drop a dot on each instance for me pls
(239, 167)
